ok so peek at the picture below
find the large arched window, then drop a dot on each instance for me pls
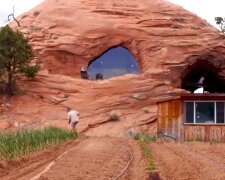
(204, 75)
(114, 62)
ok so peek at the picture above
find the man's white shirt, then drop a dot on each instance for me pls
(73, 115)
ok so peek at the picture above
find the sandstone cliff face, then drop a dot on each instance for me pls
(164, 38)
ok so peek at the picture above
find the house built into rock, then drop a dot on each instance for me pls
(173, 49)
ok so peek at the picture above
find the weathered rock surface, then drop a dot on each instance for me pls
(163, 37)
(94, 100)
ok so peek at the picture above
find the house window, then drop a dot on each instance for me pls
(189, 112)
(220, 112)
(203, 112)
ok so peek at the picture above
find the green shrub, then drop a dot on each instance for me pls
(36, 13)
(31, 71)
(145, 137)
(20, 144)
(114, 116)
(146, 111)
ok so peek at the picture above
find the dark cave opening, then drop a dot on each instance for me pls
(203, 74)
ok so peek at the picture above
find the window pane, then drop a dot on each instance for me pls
(204, 112)
(189, 112)
(220, 112)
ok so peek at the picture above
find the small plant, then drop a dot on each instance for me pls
(146, 110)
(36, 13)
(114, 116)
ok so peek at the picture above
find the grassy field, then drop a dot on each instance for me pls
(21, 144)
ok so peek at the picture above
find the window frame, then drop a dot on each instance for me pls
(194, 112)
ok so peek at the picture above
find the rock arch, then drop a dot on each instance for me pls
(114, 62)
(203, 71)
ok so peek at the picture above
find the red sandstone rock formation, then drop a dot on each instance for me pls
(163, 37)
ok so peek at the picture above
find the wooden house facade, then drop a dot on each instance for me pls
(193, 117)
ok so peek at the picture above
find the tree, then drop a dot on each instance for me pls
(12, 15)
(221, 22)
(15, 56)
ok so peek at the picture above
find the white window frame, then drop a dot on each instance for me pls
(194, 113)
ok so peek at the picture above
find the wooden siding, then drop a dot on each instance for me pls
(170, 120)
(212, 133)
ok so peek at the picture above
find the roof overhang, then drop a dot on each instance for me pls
(204, 97)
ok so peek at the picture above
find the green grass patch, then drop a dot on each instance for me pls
(145, 137)
(143, 141)
(21, 144)
(148, 153)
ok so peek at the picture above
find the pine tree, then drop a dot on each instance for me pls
(15, 56)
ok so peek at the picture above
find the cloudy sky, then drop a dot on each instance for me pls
(20, 6)
(206, 9)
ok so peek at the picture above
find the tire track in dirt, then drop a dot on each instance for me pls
(173, 161)
(138, 169)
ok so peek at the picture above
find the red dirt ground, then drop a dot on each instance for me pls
(104, 158)
(189, 160)
(94, 158)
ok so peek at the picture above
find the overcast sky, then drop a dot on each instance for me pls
(20, 6)
(206, 9)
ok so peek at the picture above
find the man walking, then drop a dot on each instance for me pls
(73, 118)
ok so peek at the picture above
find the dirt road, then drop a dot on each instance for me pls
(94, 158)
(200, 161)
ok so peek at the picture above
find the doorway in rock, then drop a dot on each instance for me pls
(203, 76)
(114, 62)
